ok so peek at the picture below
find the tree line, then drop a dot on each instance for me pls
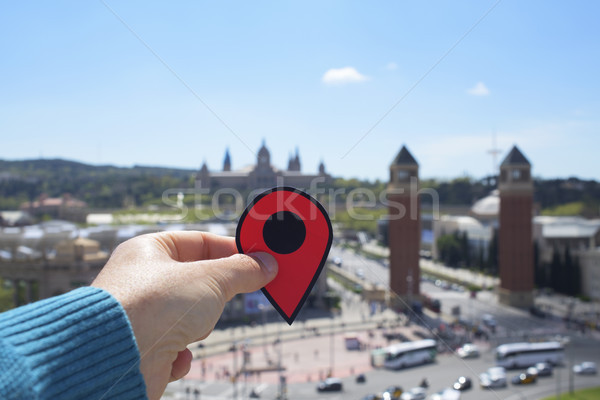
(562, 274)
(113, 187)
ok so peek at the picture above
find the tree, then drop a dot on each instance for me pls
(572, 273)
(464, 249)
(6, 297)
(540, 273)
(576, 276)
(556, 271)
(492, 261)
(449, 249)
(568, 272)
(480, 258)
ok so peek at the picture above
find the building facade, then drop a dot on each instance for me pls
(261, 175)
(75, 263)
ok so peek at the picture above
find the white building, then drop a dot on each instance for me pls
(581, 236)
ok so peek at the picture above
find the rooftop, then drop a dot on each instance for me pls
(515, 157)
(404, 158)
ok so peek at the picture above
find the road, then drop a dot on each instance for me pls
(441, 374)
(513, 325)
(374, 271)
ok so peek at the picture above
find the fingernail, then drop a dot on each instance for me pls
(266, 261)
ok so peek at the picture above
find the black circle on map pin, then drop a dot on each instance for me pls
(295, 229)
(284, 232)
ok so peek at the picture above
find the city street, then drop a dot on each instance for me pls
(308, 349)
(440, 374)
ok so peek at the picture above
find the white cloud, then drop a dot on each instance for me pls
(391, 66)
(479, 90)
(340, 76)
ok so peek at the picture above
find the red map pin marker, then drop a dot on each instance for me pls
(295, 229)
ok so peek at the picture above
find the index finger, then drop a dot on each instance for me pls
(187, 246)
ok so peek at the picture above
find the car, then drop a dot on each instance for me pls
(524, 378)
(442, 284)
(392, 392)
(416, 393)
(446, 394)
(372, 397)
(361, 378)
(360, 273)
(337, 261)
(585, 368)
(493, 378)
(468, 350)
(330, 385)
(462, 383)
(543, 369)
(537, 312)
(489, 320)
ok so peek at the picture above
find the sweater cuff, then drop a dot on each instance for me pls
(77, 345)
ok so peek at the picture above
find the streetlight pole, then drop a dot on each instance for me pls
(233, 374)
(282, 380)
(331, 344)
(263, 310)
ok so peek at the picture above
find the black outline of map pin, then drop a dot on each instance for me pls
(291, 226)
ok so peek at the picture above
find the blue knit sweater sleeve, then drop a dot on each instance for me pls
(75, 346)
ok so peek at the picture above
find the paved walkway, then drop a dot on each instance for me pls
(306, 346)
(305, 360)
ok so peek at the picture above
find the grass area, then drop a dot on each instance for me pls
(145, 216)
(360, 218)
(347, 285)
(585, 394)
(568, 209)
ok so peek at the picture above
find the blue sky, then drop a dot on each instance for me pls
(347, 82)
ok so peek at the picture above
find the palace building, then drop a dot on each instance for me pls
(261, 175)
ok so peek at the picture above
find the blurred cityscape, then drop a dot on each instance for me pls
(469, 264)
(461, 267)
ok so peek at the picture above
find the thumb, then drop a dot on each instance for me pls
(241, 273)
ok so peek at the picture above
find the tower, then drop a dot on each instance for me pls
(294, 162)
(404, 228)
(264, 158)
(322, 168)
(263, 175)
(203, 177)
(227, 161)
(515, 239)
(297, 160)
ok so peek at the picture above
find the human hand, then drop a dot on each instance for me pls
(173, 287)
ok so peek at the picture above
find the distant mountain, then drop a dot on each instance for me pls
(102, 186)
(24, 168)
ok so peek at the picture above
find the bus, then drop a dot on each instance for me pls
(517, 355)
(405, 354)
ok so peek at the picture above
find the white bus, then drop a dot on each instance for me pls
(406, 354)
(516, 355)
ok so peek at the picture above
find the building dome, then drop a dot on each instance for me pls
(488, 206)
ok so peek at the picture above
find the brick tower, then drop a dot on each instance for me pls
(515, 239)
(404, 229)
